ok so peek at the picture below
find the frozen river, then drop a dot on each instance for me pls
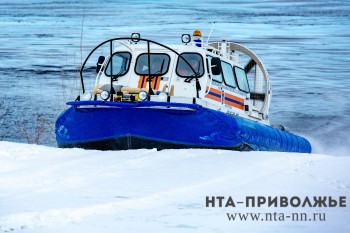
(304, 44)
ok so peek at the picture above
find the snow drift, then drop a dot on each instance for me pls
(44, 189)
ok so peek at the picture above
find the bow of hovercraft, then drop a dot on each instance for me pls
(119, 126)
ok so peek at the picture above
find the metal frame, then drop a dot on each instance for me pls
(110, 41)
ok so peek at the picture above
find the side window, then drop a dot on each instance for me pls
(229, 76)
(121, 63)
(159, 64)
(196, 62)
(242, 80)
(217, 78)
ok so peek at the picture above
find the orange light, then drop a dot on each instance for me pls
(197, 33)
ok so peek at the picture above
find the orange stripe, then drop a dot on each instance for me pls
(158, 78)
(227, 102)
(234, 97)
(213, 98)
(215, 91)
(142, 82)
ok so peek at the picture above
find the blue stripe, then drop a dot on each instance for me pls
(143, 81)
(214, 94)
(234, 101)
(155, 82)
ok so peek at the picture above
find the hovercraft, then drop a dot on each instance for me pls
(192, 95)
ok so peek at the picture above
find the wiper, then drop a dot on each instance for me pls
(158, 72)
(195, 75)
(115, 77)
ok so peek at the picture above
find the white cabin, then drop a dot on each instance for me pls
(242, 86)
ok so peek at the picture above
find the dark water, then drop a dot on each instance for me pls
(305, 46)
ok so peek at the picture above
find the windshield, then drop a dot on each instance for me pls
(159, 64)
(242, 81)
(196, 62)
(120, 65)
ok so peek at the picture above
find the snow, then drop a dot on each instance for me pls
(45, 189)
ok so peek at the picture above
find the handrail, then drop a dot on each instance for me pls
(148, 51)
(133, 104)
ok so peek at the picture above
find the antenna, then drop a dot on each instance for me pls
(81, 39)
(212, 27)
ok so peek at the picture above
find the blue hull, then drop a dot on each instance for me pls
(119, 126)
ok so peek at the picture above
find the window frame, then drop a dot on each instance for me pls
(233, 72)
(209, 71)
(177, 64)
(246, 78)
(127, 70)
(161, 74)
